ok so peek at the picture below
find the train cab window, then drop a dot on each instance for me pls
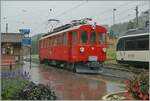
(93, 38)
(100, 37)
(75, 37)
(120, 45)
(143, 44)
(83, 37)
(64, 39)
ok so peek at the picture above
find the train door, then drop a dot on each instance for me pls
(121, 50)
(70, 45)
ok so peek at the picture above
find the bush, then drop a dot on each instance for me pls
(20, 89)
(138, 86)
(37, 92)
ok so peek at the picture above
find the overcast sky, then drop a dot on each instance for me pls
(35, 14)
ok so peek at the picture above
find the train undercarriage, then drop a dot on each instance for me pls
(77, 67)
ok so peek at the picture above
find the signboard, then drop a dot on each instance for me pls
(24, 31)
(26, 41)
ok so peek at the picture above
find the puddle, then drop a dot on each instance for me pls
(70, 86)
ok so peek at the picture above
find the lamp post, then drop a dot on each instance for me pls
(114, 15)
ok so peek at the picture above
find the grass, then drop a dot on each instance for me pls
(111, 56)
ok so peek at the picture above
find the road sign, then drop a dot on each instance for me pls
(24, 31)
(26, 41)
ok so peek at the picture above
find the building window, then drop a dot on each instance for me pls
(8, 50)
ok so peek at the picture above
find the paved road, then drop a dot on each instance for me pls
(72, 86)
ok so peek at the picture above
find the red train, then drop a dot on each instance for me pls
(78, 46)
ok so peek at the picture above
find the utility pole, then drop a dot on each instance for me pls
(6, 27)
(114, 15)
(136, 9)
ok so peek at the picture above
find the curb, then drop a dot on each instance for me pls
(105, 97)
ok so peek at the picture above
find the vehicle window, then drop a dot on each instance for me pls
(47, 42)
(75, 37)
(64, 39)
(101, 39)
(55, 41)
(59, 40)
(93, 38)
(130, 44)
(83, 37)
(50, 42)
(120, 45)
(143, 44)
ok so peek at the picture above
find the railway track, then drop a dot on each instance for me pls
(116, 71)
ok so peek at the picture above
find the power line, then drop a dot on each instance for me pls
(67, 11)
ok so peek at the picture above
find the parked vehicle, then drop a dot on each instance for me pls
(78, 46)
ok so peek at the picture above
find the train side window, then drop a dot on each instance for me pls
(43, 43)
(143, 44)
(59, 40)
(75, 37)
(130, 45)
(50, 42)
(55, 41)
(92, 37)
(100, 37)
(83, 37)
(64, 39)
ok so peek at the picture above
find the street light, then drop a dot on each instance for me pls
(114, 15)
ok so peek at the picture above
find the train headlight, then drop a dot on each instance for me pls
(82, 49)
(104, 50)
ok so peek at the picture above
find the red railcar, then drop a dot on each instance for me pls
(81, 48)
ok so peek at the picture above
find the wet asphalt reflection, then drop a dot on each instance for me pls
(71, 86)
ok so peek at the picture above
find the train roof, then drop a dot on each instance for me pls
(136, 32)
(62, 31)
(135, 35)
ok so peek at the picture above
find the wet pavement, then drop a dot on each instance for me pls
(71, 86)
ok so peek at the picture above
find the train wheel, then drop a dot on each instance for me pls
(74, 67)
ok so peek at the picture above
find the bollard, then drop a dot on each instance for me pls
(10, 67)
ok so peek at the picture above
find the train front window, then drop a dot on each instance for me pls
(100, 37)
(83, 37)
(93, 38)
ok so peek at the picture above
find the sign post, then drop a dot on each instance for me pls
(26, 41)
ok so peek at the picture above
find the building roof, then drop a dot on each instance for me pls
(11, 37)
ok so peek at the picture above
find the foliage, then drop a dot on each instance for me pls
(111, 53)
(11, 87)
(138, 86)
(115, 98)
(20, 89)
(37, 92)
